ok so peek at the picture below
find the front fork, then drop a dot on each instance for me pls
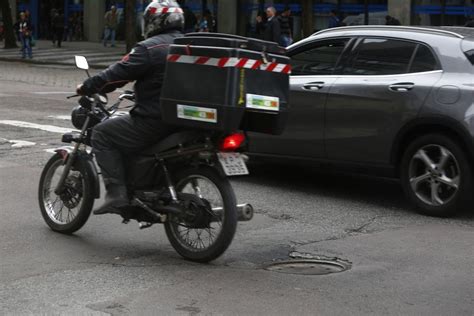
(71, 157)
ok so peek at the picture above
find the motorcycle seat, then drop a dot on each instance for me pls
(171, 142)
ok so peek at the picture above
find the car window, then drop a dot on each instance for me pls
(424, 60)
(376, 56)
(318, 59)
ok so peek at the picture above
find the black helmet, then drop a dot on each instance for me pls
(162, 15)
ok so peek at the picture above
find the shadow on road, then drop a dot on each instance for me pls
(377, 191)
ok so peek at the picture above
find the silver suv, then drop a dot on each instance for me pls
(399, 100)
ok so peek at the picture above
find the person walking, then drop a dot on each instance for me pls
(260, 22)
(272, 31)
(190, 20)
(286, 38)
(25, 35)
(334, 20)
(58, 28)
(111, 22)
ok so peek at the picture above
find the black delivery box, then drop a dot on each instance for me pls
(227, 83)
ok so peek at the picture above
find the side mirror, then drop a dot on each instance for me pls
(81, 63)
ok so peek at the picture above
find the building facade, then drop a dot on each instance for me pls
(239, 16)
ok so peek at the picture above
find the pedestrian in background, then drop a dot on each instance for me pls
(261, 20)
(272, 27)
(286, 38)
(390, 20)
(111, 22)
(25, 33)
(203, 25)
(58, 28)
(190, 20)
(211, 21)
(334, 20)
(70, 28)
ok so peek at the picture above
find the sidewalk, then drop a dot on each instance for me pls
(44, 52)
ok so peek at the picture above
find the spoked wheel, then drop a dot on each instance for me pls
(436, 175)
(208, 226)
(69, 211)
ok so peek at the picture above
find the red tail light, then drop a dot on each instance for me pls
(232, 142)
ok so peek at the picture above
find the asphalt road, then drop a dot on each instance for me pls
(401, 263)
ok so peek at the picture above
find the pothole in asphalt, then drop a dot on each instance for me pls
(307, 267)
(307, 264)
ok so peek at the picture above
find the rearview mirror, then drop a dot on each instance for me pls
(81, 63)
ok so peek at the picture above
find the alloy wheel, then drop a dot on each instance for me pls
(434, 175)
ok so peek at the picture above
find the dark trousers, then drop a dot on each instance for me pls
(58, 35)
(26, 46)
(124, 135)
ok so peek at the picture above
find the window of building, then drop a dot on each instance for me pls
(329, 13)
(424, 60)
(319, 59)
(442, 12)
(376, 56)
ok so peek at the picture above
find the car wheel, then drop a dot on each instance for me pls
(436, 175)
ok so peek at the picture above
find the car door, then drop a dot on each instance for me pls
(382, 86)
(313, 67)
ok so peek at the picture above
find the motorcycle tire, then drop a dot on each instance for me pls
(78, 194)
(228, 208)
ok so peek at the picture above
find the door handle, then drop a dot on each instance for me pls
(401, 87)
(313, 86)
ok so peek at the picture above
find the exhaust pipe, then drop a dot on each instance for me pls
(244, 212)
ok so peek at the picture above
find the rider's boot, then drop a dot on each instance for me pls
(113, 173)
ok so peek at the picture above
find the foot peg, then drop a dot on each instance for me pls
(143, 225)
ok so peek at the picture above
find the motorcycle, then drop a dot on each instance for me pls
(180, 182)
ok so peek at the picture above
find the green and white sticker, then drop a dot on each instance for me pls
(196, 113)
(263, 102)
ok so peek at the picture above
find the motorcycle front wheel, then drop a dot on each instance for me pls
(69, 211)
(205, 231)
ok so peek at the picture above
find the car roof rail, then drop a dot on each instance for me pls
(391, 27)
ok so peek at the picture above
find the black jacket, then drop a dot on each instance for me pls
(145, 64)
(272, 30)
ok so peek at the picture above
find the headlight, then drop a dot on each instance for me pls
(78, 116)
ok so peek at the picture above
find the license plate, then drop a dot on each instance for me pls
(233, 164)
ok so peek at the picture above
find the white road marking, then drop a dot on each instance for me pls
(60, 117)
(21, 143)
(53, 92)
(16, 143)
(47, 128)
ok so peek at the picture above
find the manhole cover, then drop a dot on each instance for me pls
(308, 267)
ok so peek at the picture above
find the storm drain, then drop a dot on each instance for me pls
(308, 266)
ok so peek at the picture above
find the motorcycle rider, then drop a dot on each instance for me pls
(145, 64)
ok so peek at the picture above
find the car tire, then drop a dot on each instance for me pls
(436, 175)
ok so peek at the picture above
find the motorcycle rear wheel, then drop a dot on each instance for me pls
(197, 243)
(68, 212)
